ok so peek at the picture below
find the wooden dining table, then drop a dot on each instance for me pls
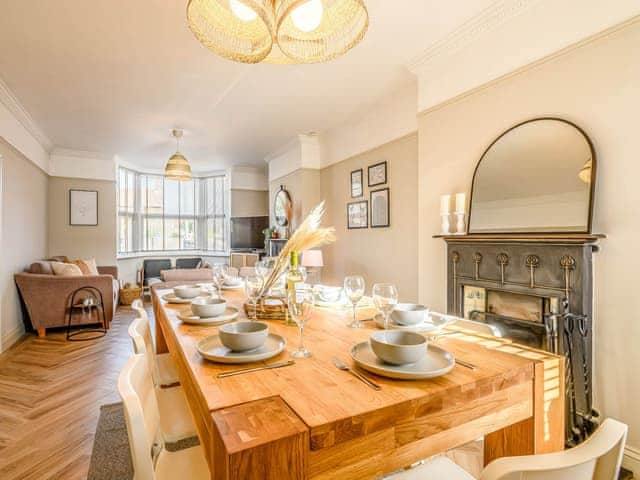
(314, 421)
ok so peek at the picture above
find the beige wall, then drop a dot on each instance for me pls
(24, 233)
(249, 203)
(303, 186)
(82, 241)
(595, 86)
(379, 254)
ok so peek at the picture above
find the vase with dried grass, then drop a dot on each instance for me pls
(307, 236)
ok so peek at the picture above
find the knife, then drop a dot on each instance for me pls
(256, 369)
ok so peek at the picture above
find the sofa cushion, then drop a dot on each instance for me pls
(59, 258)
(41, 267)
(87, 267)
(66, 269)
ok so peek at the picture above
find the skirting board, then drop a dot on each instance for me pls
(631, 460)
(11, 338)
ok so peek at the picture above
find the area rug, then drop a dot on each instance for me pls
(111, 457)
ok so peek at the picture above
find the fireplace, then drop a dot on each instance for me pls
(536, 291)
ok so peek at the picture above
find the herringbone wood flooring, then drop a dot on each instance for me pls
(50, 396)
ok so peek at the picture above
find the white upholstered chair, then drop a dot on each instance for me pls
(143, 417)
(598, 458)
(163, 368)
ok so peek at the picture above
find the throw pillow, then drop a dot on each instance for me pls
(87, 267)
(66, 269)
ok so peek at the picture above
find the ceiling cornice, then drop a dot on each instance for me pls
(9, 100)
(489, 19)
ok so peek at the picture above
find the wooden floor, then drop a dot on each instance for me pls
(50, 396)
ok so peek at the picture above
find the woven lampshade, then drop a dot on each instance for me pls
(269, 32)
(344, 24)
(177, 168)
(216, 26)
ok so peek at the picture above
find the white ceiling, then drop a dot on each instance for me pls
(114, 76)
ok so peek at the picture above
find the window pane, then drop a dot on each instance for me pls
(219, 207)
(152, 233)
(131, 191)
(153, 195)
(188, 234)
(171, 234)
(171, 202)
(210, 235)
(187, 191)
(125, 233)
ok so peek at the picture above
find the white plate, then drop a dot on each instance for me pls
(232, 287)
(212, 349)
(433, 324)
(173, 298)
(435, 363)
(229, 314)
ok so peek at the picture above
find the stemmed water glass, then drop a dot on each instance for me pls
(220, 272)
(300, 305)
(385, 298)
(354, 290)
(262, 269)
(253, 286)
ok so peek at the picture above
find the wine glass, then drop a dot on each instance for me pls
(253, 286)
(220, 272)
(385, 298)
(300, 303)
(262, 269)
(354, 290)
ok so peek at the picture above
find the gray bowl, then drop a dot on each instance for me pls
(208, 307)
(397, 347)
(409, 313)
(242, 336)
(187, 291)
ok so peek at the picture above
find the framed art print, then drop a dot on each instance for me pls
(83, 208)
(358, 215)
(377, 174)
(379, 200)
(356, 183)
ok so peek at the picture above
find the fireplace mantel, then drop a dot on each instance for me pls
(550, 238)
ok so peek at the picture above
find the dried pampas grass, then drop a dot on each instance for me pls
(307, 236)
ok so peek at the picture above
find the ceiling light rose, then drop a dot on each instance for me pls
(278, 31)
(177, 167)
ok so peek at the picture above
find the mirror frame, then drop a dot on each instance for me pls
(275, 200)
(594, 164)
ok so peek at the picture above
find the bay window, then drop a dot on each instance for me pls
(160, 215)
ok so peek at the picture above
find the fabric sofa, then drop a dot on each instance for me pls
(46, 297)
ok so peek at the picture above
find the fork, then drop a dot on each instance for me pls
(342, 366)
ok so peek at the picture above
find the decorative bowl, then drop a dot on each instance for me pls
(243, 336)
(398, 347)
(187, 291)
(208, 307)
(409, 313)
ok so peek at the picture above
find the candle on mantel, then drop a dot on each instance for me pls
(445, 204)
(461, 202)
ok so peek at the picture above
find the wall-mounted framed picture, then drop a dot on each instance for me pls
(377, 174)
(83, 208)
(356, 183)
(358, 215)
(380, 211)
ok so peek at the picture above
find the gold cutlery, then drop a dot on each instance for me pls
(342, 366)
(470, 366)
(257, 369)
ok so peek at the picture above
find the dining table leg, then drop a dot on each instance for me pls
(544, 432)
(261, 439)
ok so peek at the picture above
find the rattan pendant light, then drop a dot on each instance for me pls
(177, 167)
(278, 31)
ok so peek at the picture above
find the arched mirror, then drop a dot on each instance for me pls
(282, 207)
(536, 177)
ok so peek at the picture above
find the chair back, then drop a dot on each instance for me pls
(188, 262)
(141, 415)
(153, 266)
(598, 458)
(140, 333)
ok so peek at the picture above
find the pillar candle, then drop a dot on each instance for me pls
(445, 204)
(461, 202)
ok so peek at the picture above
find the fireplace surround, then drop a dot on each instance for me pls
(537, 290)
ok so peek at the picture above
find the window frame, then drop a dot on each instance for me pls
(139, 215)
